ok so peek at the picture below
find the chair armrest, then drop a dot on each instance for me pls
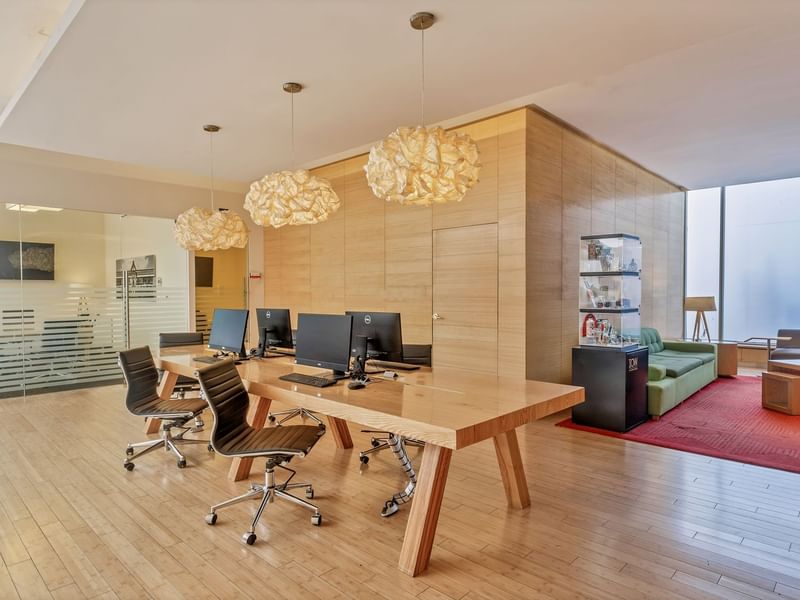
(656, 372)
(690, 347)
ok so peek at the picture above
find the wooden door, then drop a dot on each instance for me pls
(465, 298)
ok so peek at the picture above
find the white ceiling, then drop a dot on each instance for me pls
(25, 27)
(703, 92)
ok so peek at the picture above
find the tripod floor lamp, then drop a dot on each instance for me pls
(701, 305)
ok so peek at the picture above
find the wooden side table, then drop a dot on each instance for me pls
(781, 392)
(727, 359)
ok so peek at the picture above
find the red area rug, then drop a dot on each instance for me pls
(725, 420)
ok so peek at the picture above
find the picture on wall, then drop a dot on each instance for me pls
(140, 272)
(35, 260)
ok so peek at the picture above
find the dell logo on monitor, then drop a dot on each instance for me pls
(269, 316)
(367, 319)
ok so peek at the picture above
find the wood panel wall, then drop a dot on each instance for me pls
(373, 255)
(545, 186)
(577, 187)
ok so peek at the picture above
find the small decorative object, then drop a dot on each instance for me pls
(632, 266)
(203, 229)
(291, 197)
(423, 165)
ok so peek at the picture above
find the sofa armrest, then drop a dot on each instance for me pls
(690, 347)
(656, 372)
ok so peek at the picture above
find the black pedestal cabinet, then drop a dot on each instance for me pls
(616, 387)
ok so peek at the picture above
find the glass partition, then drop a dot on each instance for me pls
(77, 287)
(220, 282)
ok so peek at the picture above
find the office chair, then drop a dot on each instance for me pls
(142, 400)
(171, 340)
(413, 354)
(232, 436)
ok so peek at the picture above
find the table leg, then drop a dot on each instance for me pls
(424, 516)
(259, 410)
(341, 433)
(168, 381)
(511, 469)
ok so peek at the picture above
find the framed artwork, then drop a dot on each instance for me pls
(34, 260)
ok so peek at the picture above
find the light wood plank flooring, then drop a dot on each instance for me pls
(610, 519)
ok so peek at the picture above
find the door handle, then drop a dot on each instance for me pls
(436, 316)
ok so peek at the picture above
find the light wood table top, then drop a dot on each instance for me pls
(448, 409)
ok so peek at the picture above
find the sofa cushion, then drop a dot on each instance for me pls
(652, 339)
(704, 357)
(675, 366)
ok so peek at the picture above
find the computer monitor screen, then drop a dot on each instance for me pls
(383, 333)
(324, 341)
(228, 329)
(274, 328)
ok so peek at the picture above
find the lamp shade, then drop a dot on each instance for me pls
(423, 166)
(291, 198)
(705, 303)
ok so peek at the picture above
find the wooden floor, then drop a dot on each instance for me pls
(610, 519)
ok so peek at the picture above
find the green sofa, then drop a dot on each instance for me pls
(676, 370)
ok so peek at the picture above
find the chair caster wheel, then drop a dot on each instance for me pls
(310, 493)
(375, 443)
(210, 448)
(181, 464)
(211, 518)
(249, 538)
(364, 459)
(129, 451)
(316, 520)
(128, 466)
(271, 419)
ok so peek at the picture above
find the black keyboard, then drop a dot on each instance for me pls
(210, 360)
(308, 379)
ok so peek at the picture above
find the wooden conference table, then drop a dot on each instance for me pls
(448, 409)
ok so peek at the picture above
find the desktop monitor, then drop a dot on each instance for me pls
(324, 341)
(274, 329)
(228, 329)
(383, 333)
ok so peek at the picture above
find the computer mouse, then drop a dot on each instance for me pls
(356, 384)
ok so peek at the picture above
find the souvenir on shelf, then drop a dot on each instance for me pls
(610, 290)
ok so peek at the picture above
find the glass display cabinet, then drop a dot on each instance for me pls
(610, 290)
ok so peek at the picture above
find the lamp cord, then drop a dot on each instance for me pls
(422, 70)
(294, 163)
(211, 153)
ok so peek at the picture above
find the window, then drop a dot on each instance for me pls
(755, 230)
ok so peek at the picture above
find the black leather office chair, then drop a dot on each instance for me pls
(413, 354)
(232, 436)
(171, 340)
(142, 400)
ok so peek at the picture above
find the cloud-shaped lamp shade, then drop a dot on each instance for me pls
(291, 198)
(203, 229)
(423, 166)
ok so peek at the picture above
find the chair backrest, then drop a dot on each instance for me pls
(189, 338)
(141, 375)
(652, 339)
(224, 391)
(418, 354)
(792, 333)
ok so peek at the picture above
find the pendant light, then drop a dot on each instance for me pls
(202, 229)
(423, 165)
(291, 197)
